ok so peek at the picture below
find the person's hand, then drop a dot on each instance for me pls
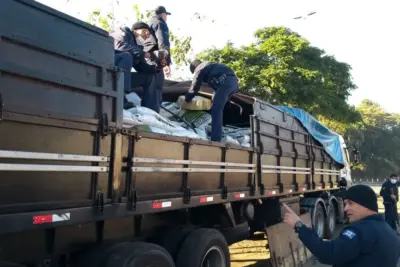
(147, 55)
(393, 197)
(291, 217)
(163, 62)
(189, 97)
(167, 71)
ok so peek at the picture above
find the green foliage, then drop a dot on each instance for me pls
(104, 22)
(180, 45)
(282, 67)
(377, 136)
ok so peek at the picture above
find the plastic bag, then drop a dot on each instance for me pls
(134, 98)
(197, 103)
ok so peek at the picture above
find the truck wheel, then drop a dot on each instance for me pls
(139, 254)
(330, 221)
(174, 238)
(319, 220)
(204, 248)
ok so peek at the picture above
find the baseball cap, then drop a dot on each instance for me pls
(363, 195)
(160, 10)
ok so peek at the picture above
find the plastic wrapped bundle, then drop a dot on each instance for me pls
(197, 103)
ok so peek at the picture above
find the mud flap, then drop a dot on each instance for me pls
(285, 247)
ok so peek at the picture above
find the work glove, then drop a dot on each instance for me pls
(189, 97)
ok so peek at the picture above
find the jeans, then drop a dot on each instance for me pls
(221, 96)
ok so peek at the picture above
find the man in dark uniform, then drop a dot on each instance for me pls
(128, 54)
(224, 82)
(157, 45)
(159, 39)
(390, 194)
(367, 242)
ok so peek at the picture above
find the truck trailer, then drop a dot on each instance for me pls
(79, 189)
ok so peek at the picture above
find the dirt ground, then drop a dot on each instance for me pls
(252, 253)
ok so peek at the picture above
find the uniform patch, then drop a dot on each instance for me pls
(348, 233)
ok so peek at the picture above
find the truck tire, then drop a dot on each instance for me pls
(95, 255)
(330, 221)
(174, 238)
(139, 254)
(204, 245)
(318, 220)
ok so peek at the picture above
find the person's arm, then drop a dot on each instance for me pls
(196, 84)
(345, 248)
(161, 32)
(385, 193)
(124, 42)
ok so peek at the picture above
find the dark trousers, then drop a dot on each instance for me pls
(151, 83)
(124, 60)
(221, 97)
(390, 215)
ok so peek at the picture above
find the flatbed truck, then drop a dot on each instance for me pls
(79, 189)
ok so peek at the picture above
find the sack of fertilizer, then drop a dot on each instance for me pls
(134, 98)
(144, 116)
(244, 139)
(179, 132)
(170, 110)
(197, 103)
(197, 118)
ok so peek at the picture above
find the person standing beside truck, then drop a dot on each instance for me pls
(128, 54)
(224, 82)
(367, 242)
(390, 194)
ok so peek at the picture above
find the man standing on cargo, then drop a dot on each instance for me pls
(224, 82)
(367, 242)
(158, 46)
(390, 194)
(159, 38)
(128, 54)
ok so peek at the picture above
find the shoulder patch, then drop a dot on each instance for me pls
(349, 234)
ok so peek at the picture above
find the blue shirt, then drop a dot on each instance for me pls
(367, 243)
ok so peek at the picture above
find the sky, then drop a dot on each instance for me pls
(362, 33)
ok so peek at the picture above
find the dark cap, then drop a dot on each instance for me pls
(140, 26)
(160, 9)
(363, 195)
(193, 65)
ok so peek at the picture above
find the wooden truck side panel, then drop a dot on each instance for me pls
(160, 166)
(290, 159)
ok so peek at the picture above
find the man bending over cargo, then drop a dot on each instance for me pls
(128, 54)
(367, 242)
(224, 82)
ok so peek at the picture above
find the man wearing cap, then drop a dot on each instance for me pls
(390, 194)
(159, 39)
(367, 242)
(224, 82)
(129, 54)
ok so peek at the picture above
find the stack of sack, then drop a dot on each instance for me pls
(191, 120)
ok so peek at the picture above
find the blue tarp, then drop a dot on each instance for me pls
(328, 138)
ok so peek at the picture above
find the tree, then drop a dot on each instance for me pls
(377, 136)
(282, 67)
(180, 45)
